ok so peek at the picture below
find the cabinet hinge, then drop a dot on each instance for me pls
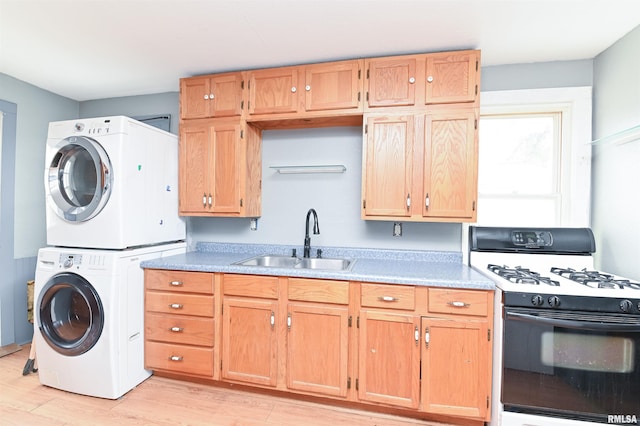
(350, 320)
(248, 105)
(240, 202)
(357, 384)
(241, 134)
(358, 96)
(367, 74)
(367, 97)
(473, 206)
(348, 382)
(357, 326)
(241, 104)
(359, 73)
(489, 335)
(242, 82)
(366, 127)
(487, 402)
(476, 65)
(475, 124)
(476, 90)
(220, 364)
(364, 204)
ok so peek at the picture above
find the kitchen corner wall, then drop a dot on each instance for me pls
(615, 197)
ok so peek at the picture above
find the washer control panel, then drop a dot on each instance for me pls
(67, 261)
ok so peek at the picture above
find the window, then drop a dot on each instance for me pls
(535, 158)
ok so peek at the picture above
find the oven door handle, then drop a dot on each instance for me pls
(582, 325)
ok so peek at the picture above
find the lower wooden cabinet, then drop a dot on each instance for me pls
(389, 358)
(426, 351)
(179, 322)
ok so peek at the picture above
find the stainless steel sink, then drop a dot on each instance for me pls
(282, 261)
(270, 261)
(324, 263)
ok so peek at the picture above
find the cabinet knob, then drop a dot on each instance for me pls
(175, 306)
(412, 80)
(430, 79)
(206, 97)
(176, 329)
(307, 87)
(211, 96)
(175, 358)
(293, 89)
(388, 299)
(457, 304)
(175, 283)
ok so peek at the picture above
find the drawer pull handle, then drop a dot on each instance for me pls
(176, 329)
(176, 283)
(458, 304)
(388, 299)
(176, 306)
(176, 358)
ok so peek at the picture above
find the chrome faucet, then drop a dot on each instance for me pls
(316, 231)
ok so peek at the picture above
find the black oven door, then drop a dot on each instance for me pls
(575, 365)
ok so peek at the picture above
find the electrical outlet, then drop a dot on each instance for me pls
(397, 229)
(254, 224)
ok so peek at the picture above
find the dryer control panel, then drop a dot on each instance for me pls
(69, 260)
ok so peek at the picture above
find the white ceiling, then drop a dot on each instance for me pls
(95, 49)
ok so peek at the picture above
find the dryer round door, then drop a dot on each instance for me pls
(79, 178)
(70, 314)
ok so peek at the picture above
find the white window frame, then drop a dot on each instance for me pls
(575, 105)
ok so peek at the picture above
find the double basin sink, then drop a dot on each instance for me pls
(281, 261)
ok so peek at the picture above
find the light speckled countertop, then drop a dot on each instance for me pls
(428, 268)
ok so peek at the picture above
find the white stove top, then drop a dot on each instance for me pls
(549, 282)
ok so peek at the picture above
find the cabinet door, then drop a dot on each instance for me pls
(225, 94)
(332, 86)
(194, 170)
(194, 97)
(452, 77)
(225, 145)
(450, 165)
(249, 349)
(273, 91)
(387, 173)
(456, 367)
(317, 348)
(389, 358)
(391, 82)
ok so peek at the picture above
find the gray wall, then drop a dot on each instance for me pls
(23, 222)
(615, 196)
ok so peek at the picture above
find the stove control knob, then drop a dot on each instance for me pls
(626, 306)
(537, 300)
(554, 301)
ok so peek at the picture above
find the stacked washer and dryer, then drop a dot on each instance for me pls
(111, 188)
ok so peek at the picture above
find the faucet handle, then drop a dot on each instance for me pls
(293, 253)
(319, 255)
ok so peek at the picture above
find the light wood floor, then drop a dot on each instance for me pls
(162, 401)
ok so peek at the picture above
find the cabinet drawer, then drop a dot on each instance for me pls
(185, 281)
(179, 329)
(459, 302)
(388, 296)
(250, 286)
(182, 359)
(178, 303)
(311, 290)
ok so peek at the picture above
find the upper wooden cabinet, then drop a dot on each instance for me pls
(421, 167)
(333, 86)
(219, 95)
(418, 80)
(220, 168)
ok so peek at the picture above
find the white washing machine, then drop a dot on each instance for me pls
(89, 318)
(111, 183)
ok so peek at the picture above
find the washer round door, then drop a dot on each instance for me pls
(70, 314)
(79, 178)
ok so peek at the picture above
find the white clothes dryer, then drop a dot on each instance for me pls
(89, 318)
(111, 183)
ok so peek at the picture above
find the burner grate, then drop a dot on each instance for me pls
(520, 275)
(595, 279)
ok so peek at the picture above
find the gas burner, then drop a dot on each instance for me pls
(595, 279)
(520, 275)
